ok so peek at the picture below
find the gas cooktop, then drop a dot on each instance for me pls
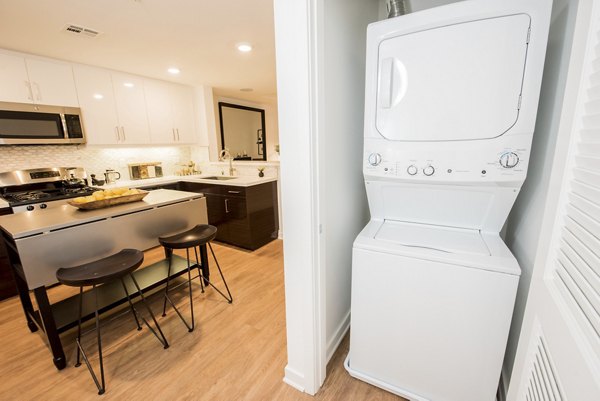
(19, 198)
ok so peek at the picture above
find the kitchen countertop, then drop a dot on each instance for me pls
(238, 181)
(35, 222)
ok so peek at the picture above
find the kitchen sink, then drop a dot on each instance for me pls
(219, 178)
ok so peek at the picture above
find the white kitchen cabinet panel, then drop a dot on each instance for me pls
(97, 102)
(170, 112)
(131, 108)
(13, 79)
(52, 82)
(160, 115)
(182, 101)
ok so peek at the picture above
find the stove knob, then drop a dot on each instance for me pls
(412, 169)
(30, 208)
(429, 170)
(374, 159)
(43, 206)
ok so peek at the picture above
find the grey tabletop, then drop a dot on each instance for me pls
(38, 221)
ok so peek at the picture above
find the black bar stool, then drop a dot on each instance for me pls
(114, 267)
(197, 237)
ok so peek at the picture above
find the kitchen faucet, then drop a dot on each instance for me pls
(224, 155)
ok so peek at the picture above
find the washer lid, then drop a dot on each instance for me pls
(445, 239)
(454, 82)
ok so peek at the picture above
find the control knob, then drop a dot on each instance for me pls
(30, 208)
(412, 169)
(374, 159)
(509, 160)
(429, 170)
(43, 206)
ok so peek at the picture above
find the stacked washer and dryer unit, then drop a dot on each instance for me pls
(451, 102)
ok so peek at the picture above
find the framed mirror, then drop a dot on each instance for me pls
(243, 131)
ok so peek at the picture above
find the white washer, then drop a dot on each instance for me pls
(450, 106)
(430, 310)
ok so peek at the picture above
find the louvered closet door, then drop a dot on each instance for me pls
(558, 358)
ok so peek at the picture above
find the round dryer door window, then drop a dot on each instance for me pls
(456, 82)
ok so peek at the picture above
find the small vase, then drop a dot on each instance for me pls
(261, 174)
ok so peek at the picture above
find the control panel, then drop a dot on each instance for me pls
(464, 163)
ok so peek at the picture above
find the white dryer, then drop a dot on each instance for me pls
(450, 109)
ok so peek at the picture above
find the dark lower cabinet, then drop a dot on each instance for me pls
(244, 216)
(8, 288)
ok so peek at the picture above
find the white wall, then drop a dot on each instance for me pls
(525, 219)
(343, 203)
(320, 82)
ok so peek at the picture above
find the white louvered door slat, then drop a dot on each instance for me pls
(559, 348)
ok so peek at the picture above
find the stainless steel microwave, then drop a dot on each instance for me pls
(33, 124)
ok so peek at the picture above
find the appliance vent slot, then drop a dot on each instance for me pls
(543, 385)
(80, 30)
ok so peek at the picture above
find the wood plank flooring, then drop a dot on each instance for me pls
(237, 352)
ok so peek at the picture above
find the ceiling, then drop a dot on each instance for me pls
(146, 37)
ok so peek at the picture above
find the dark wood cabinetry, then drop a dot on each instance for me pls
(244, 216)
(8, 287)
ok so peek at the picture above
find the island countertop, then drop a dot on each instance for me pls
(26, 224)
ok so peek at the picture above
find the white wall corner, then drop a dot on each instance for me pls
(334, 342)
(294, 378)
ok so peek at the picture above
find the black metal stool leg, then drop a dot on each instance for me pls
(199, 270)
(170, 256)
(230, 298)
(137, 322)
(101, 387)
(78, 363)
(189, 271)
(163, 341)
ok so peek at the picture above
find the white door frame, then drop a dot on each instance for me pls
(297, 92)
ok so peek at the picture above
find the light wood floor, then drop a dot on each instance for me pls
(237, 352)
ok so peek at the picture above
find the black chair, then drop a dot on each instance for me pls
(111, 268)
(197, 237)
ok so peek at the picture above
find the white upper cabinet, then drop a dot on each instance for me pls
(14, 80)
(97, 102)
(131, 108)
(182, 98)
(52, 82)
(170, 112)
(36, 80)
(160, 117)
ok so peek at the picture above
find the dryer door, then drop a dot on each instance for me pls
(456, 82)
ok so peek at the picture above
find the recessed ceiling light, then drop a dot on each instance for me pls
(98, 96)
(128, 84)
(246, 89)
(244, 47)
(173, 70)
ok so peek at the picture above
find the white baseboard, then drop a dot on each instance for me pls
(338, 336)
(280, 234)
(293, 378)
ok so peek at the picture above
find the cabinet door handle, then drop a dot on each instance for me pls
(178, 139)
(173, 129)
(29, 91)
(123, 132)
(39, 92)
(226, 205)
(117, 134)
(234, 192)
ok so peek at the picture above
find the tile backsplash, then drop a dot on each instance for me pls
(96, 159)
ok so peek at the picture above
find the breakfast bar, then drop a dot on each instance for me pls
(41, 242)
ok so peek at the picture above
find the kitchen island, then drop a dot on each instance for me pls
(41, 242)
(243, 208)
